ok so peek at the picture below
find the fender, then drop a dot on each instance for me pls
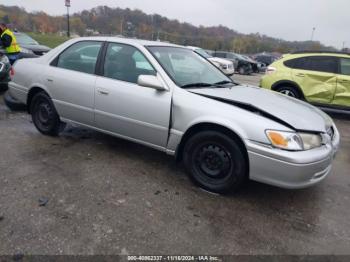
(288, 83)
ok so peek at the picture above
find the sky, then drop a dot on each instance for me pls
(285, 19)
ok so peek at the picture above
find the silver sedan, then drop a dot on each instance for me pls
(172, 99)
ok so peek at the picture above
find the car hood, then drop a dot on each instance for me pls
(37, 48)
(220, 60)
(291, 112)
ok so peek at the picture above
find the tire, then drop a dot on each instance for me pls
(44, 115)
(289, 91)
(241, 70)
(13, 104)
(215, 162)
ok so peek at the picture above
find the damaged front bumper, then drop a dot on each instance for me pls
(291, 170)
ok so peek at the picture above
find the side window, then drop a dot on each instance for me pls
(81, 57)
(126, 63)
(326, 64)
(345, 66)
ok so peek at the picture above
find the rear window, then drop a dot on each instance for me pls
(326, 64)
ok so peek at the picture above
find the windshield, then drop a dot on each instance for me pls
(187, 68)
(203, 53)
(23, 39)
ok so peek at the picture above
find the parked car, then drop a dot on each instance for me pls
(226, 66)
(30, 45)
(266, 59)
(321, 78)
(256, 66)
(5, 67)
(242, 66)
(223, 132)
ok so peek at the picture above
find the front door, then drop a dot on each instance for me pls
(342, 93)
(125, 108)
(316, 75)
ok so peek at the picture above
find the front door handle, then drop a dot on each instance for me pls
(103, 92)
(344, 81)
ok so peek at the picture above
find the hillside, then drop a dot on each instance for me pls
(135, 23)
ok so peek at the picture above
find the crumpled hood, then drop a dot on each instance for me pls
(220, 60)
(297, 114)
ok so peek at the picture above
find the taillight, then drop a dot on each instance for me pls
(270, 70)
(12, 72)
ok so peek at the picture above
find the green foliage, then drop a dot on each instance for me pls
(135, 23)
(49, 40)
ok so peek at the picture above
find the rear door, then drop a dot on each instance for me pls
(342, 93)
(71, 79)
(316, 75)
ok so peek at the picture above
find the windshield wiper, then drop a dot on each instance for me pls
(197, 85)
(223, 82)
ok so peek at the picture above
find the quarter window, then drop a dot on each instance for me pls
(126, 63)
(81, 57)
(345, 66)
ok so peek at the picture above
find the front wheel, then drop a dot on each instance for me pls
(215, 162)
(241, 70)
(44, 115)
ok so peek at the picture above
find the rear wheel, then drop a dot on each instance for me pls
(215, 162)
(44, 115)
(289, 91)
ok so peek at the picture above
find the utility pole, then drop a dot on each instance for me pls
(313, 33)
(68, 24)
(152, 24)
(343, 45)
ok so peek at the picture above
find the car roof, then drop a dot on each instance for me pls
(131, 41)
(306, 54)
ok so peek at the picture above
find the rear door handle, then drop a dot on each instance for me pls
(344, 81)
(103, 92)
(300, 75)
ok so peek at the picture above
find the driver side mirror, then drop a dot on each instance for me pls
(151, 81)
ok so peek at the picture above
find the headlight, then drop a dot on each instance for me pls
(311, 141)
(294, 141)
(223, 66)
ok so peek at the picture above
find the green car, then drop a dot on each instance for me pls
(321, 78)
